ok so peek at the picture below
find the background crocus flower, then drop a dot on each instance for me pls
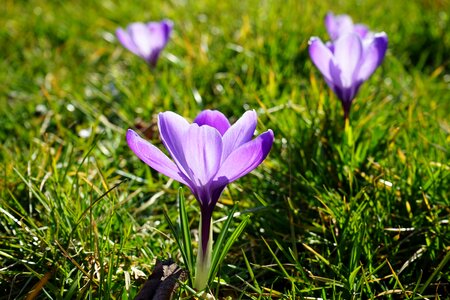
(338, 25)
(348, 62)
(207, 155)
(146, 40)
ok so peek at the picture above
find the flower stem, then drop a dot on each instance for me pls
(203, 264)
(348, 132)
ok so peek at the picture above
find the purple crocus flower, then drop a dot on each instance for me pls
(348, 62)
(338, 25)
(207, 155)
(146, 40)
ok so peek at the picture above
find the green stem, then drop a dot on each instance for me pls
(203, 264)
(348, 132)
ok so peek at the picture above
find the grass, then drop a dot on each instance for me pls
(82, 217)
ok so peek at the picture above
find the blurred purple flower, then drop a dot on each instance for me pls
(348, 62)
(146, 40)
(338, 25)
(207, 155)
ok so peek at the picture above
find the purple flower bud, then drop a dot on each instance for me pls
(347, 62)
(146, 40)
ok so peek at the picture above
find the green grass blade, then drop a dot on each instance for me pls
(221, 237)
(223, 246)
(252, 275)
(276, 259)
(441, 265)
(185, 233)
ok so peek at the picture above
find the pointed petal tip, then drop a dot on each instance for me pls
(240, 132)
(168, 114)
(133, 138)
(119, 30)
(130, 135)
(313, 39)
(329, 20)
(267, 142)
(247, 157)
(381, 34)
(382, 38)
(169, 23)
(173, 119)
(268, 138)
(153, 157)
(252, 114)
(123, 37)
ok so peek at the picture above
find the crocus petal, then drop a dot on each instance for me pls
(347, 55)
(153, 157)
(321, 56)
(246, 158)
(214, 119)
(167, 26)
(361, 30)
(203, 151)
(125, 39)
(239, 133)
(142, 38)
(338, 25)
(159, 33)
(330, 24)
(173, 129)
(373, 56)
